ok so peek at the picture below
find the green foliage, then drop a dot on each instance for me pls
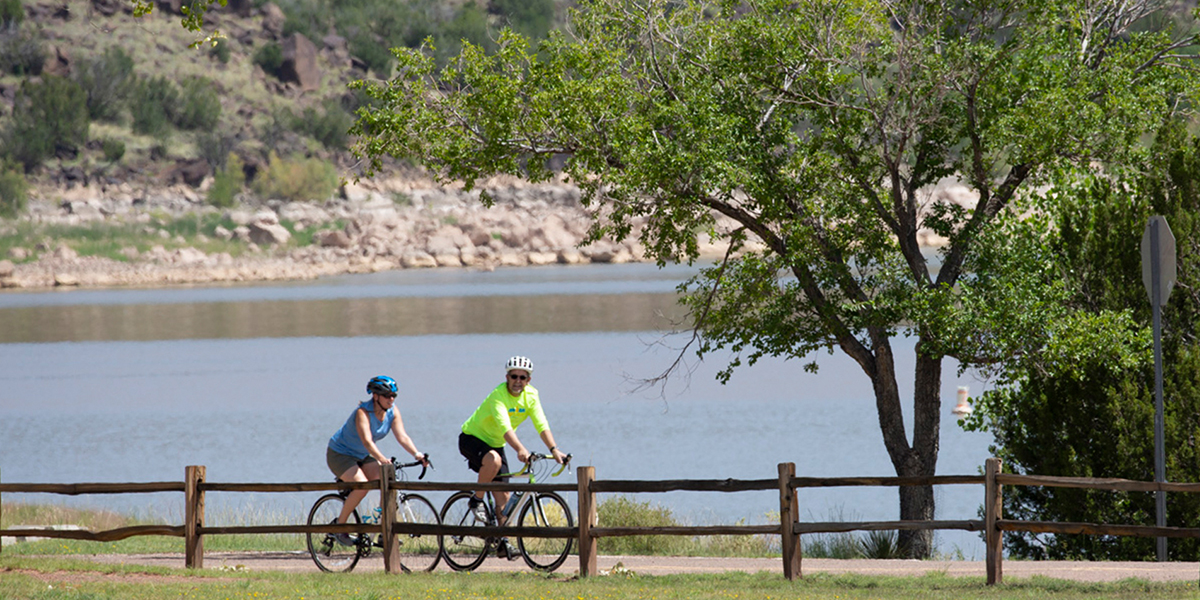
(818, 133)
(220, 50)
(269, 57)
(1082, 403)
(227, 183)
(48, 116)
(21, 52)
(530, 18)
(329, 125)
(199, 108)
(377, 56)
(106, 80)
(151, 103)
(215, 146)
(14, 191)
(296, 180)
(11, 14)
(623, 511)
(113, 149)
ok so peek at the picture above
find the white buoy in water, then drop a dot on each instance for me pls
(963, 408)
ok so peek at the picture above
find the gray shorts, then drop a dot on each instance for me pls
(340, 463)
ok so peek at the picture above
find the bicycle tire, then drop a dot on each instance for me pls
(545, 509)
(329, 555)
(418, 551)
(462, 552)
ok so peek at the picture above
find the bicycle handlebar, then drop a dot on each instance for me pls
(534, 457)
(399, 466)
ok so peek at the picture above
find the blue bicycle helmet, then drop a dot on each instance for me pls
(382, 384)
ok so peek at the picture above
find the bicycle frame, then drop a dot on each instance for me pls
(526, 471)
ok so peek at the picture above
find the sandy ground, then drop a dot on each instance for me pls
(659, 565)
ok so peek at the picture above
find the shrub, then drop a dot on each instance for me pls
(149, 104)
(11, 13)
(215, 147)
(21, 53)
(227, 182)
(531, 18)
(623, 511)
(113, 149)
(200, 107)
(48, 116)
(221, 51)
(270, 58)
(14, 191)
(330, 125)
(374, 53)
(105, 81)
(296, 180)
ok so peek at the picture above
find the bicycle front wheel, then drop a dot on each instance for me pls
(325, 550)
(418, 551)
(545, 510)
(463, 552)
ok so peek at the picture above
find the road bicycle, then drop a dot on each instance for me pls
(418, 552)
(534, 509)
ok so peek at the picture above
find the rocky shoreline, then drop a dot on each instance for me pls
(394, 224)
(403, 223)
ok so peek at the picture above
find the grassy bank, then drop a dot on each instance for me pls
(34, 578)
(614, 511)
(117, 239)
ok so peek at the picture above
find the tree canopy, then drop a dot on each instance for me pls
(1089, 413)
(814, 138)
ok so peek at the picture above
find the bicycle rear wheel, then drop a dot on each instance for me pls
(462, 552)
(325, 550)
(418, 551)
(545, 510)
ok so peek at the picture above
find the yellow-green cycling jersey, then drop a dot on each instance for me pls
(502, 412)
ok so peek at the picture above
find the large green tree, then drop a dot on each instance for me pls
(1071, 410)
(811, 136)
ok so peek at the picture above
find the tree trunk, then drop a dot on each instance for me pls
(916, 503)
(920, 458)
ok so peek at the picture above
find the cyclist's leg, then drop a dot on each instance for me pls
(493, 464)
(485, 460)
(368, 471)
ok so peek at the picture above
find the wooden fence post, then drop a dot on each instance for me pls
(789, 508)
(193, 519)
(587, 519)
(387, 504)
(993, 506)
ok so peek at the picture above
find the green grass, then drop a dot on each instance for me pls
(49, 578)
(108, 238)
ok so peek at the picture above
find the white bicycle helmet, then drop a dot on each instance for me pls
(519, 362)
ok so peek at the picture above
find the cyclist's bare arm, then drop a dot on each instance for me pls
(548, 439)
(510, 436)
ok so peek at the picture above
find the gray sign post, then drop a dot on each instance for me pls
(1158, 274)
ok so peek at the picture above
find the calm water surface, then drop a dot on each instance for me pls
(250, 381)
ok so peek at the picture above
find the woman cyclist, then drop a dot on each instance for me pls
(352, 454)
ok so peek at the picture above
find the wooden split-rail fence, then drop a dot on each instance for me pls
(587, 532)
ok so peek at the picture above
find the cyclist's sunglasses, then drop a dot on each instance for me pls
(515, 377)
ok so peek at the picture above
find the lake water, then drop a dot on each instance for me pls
(250, 381)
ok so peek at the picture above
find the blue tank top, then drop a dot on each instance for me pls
(346, 440)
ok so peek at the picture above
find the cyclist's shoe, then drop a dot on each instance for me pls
(507, 550)
(378, 543)
(344, 539)
(479, 509)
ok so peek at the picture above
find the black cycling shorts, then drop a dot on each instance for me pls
(474, 449)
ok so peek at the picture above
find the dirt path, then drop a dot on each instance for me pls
(663, 565)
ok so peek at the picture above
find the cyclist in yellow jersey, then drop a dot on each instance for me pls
(493, 424)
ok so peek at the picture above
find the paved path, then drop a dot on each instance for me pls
(663, 565)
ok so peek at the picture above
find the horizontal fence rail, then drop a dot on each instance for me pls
(588, 531)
